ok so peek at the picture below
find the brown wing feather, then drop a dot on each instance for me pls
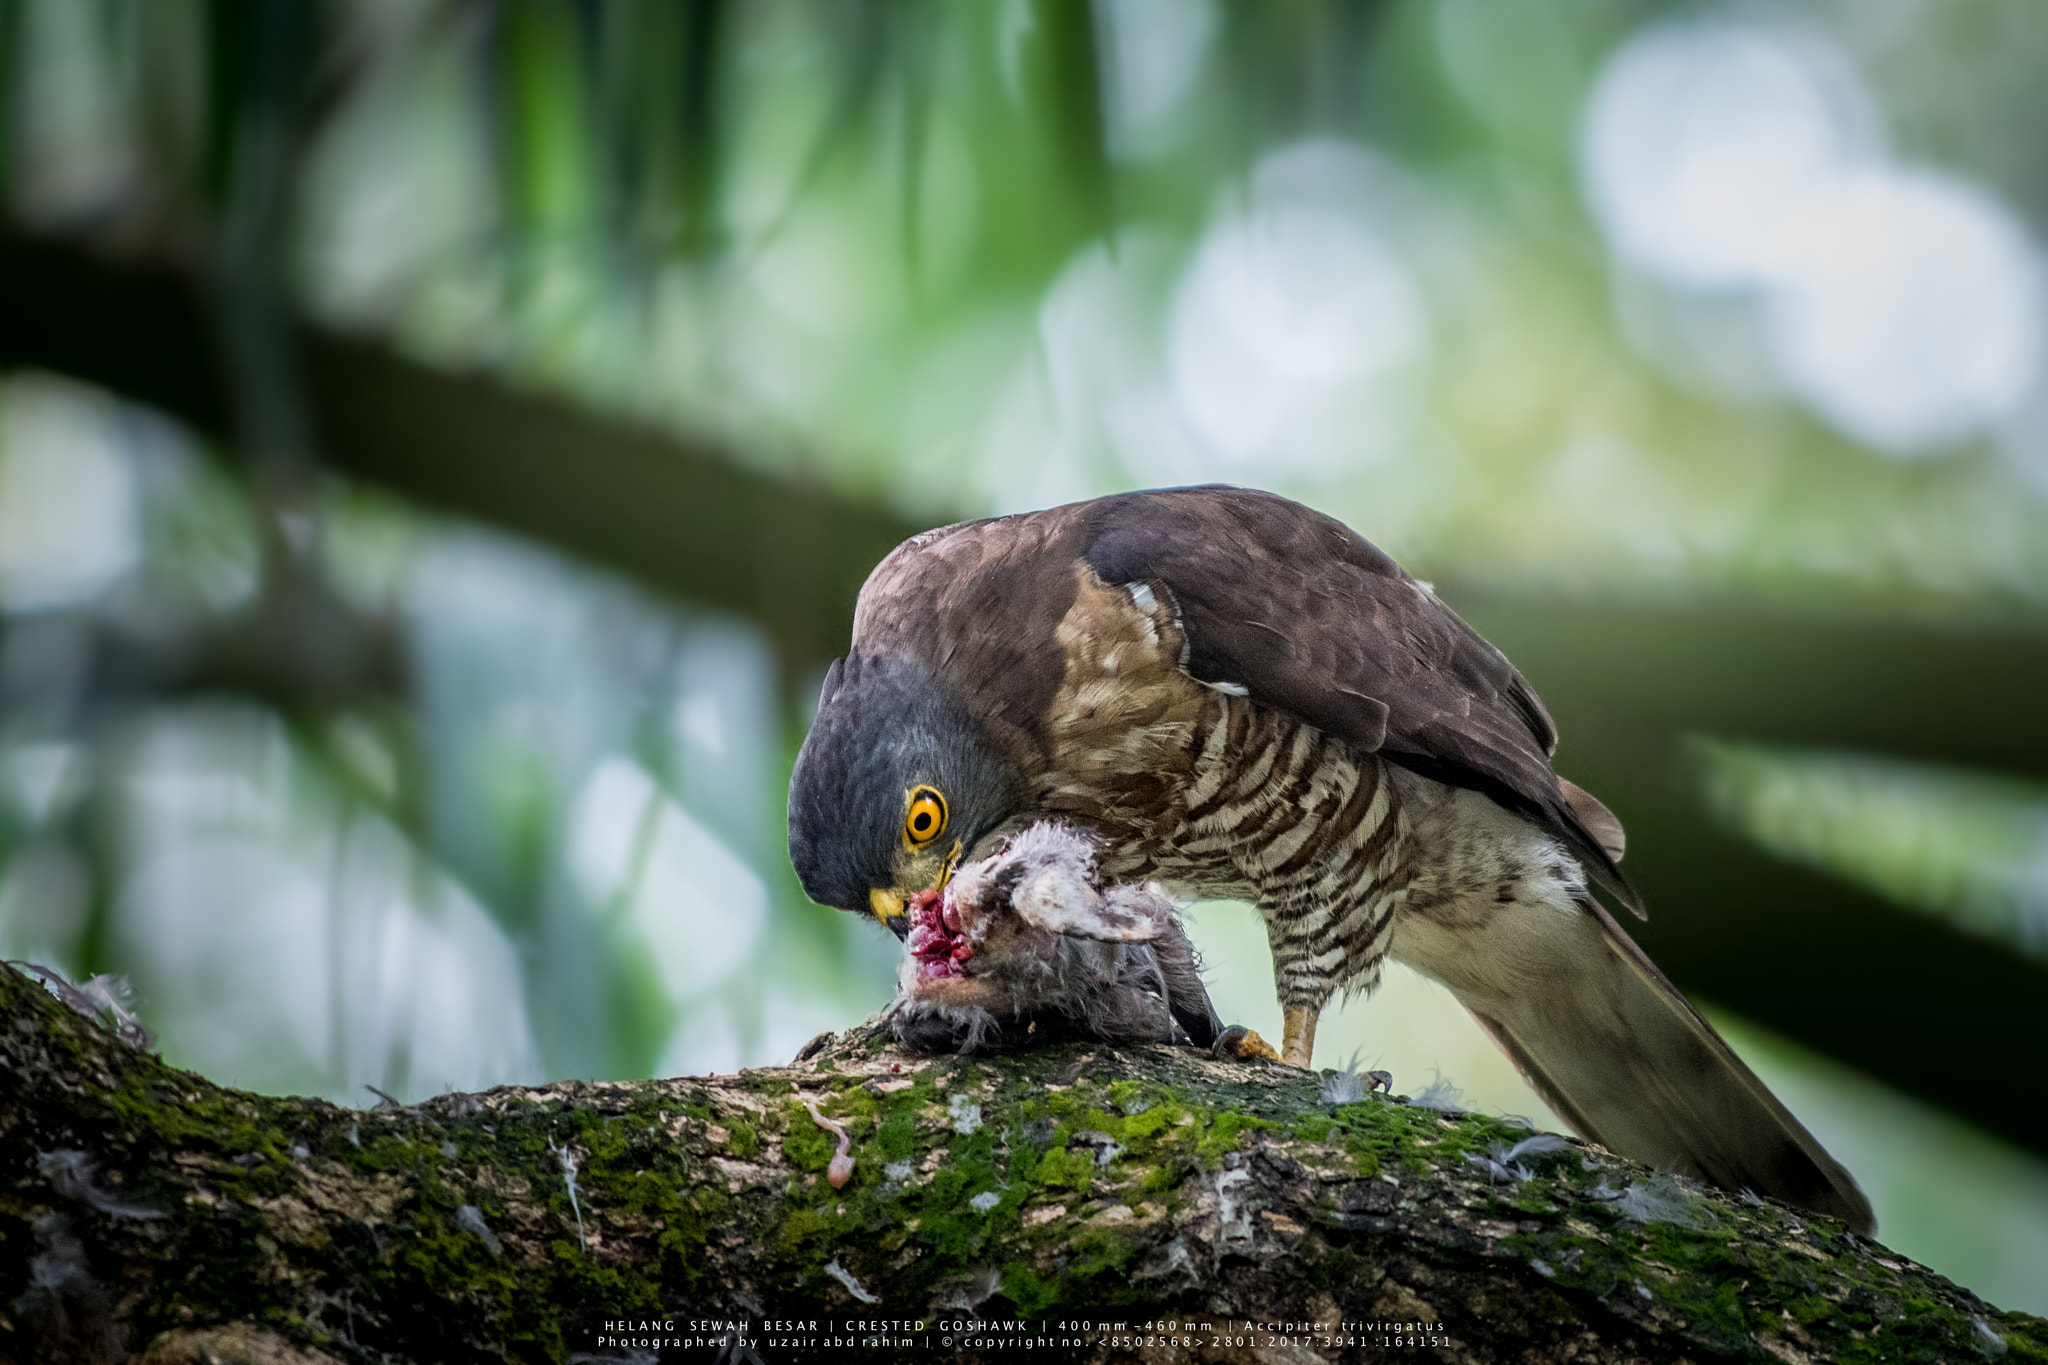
(978, 603)
(1309, 617)
(1294, 606)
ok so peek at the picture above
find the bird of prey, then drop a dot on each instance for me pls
(1242, 698)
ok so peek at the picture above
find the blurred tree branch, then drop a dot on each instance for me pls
(151, 1210)
(678, 515)
(1900, 995)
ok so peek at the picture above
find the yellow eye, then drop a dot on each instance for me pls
(925, 820)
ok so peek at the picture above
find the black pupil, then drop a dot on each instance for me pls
(922, 822)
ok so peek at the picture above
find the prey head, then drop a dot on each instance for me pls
(895, 782)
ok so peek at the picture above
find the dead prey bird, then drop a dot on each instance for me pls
(1028, 943)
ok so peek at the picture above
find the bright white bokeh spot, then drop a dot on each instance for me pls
(1097, 386)
(1295, 337)
(1289, 343)
(792, 1017)
(696, 723)
(705, 1043)
(1096, 354)
(1032, 456)
(67, 497)
(1743, 164)
(429, 986)
(1907, 308)
(273, 960)
(710, 1040)
(235, 940)
(700, 909)
(1097, 321)
(1697, 137)
(723, 727)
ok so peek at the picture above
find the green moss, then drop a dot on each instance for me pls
(1065, 1169)
(1032, 1292)
(803, 1224)
(894, 1138)
(1380, 1136)
(1226, 1132)
(1097, 1274)
(1163, 1178)
(745, 1142)
(807, 1145)
(1161, 1118)
(1099, 1251)
(853, 1104)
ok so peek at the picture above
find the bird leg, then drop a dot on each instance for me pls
(1298, 1035)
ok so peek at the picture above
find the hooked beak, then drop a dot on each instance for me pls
(890, 907)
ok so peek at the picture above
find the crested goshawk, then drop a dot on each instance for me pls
(1242, 698)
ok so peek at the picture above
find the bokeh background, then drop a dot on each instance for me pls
(440, 441)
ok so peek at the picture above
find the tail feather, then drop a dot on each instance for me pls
(1617, 1051)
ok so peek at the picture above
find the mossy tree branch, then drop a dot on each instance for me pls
(146, 1209)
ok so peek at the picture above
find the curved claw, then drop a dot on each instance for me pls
(1240, 1044)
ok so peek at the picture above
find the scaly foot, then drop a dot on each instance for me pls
(1298, 1035)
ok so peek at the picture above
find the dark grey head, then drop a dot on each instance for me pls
(895, 781)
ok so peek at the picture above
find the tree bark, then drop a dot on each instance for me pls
(147, 1210)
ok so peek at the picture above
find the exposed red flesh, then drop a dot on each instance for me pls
(935, 938)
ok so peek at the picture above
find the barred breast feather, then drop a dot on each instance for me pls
(1215, 795)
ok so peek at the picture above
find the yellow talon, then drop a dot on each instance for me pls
(1240, 1044)
(1298, 1036)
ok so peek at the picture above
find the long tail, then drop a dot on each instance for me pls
(1616, 1050)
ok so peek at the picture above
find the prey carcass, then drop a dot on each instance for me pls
(1026, 944)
